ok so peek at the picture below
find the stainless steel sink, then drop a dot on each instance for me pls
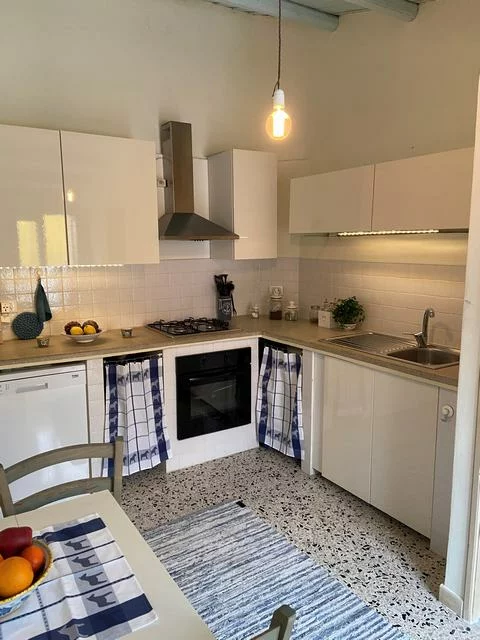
(433, 357)
(378, 343)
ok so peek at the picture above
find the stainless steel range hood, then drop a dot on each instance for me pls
(180, 222)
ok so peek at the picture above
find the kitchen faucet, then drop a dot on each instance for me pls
(422, 336)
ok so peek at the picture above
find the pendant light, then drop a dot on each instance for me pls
(279, 123)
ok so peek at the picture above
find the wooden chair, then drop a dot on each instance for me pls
(67, 489)
(281, 625)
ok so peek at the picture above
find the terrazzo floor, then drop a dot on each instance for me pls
(385, 563)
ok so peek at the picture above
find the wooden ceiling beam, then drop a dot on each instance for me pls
(290, 11)
(402, 9)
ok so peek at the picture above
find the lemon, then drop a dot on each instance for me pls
(76, 331)
(89, 329)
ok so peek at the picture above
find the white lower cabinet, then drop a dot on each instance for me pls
(378, 439)
(347, 426)
(442, 488)
(403, 449)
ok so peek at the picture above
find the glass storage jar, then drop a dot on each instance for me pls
(275, 307)
(313, 315)
(291, 312)
(255, 312)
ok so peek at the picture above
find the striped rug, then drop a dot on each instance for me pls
(235, 569)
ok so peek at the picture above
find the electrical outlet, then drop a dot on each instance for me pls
(6, 307)
(276, 290)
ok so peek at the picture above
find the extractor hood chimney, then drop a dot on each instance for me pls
(180, 222)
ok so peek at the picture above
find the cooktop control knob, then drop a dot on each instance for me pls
(446, 413)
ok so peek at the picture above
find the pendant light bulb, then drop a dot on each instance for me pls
(279, 123)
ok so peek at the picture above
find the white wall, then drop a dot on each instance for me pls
(121, 67)
(376, 89)
(382, 89)
(462, 583)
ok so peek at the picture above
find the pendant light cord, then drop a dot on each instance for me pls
(277, 85)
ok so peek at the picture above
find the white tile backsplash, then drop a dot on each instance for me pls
(133, 295)
(394, 295)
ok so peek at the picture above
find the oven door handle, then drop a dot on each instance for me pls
(225, 375)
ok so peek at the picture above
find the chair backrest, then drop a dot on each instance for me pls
(23, 468)
(281, 625)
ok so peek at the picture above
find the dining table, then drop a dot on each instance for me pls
(176, 618)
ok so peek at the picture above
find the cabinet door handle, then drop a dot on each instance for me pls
(446, 413)
(36, 387)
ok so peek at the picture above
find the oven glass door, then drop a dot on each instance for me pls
(211, 401)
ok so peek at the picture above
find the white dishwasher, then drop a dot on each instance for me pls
(42, 409)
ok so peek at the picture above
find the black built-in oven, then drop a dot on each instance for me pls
(213, 392)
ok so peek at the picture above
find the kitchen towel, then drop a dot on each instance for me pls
(90, 592)
(42, 307)
(279, 402)
(134, 409)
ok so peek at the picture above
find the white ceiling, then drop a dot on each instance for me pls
(337, 7)
(325, 14)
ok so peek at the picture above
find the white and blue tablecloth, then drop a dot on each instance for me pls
(90, 592)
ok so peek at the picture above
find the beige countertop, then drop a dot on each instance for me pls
(306, 335)
(23, 353)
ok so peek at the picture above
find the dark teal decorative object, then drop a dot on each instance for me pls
(27, 325)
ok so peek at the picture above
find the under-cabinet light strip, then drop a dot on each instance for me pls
(386, 233)
(66, 266)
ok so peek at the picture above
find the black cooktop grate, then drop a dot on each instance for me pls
(189, 326)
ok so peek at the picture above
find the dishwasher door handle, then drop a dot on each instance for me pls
(33, 387)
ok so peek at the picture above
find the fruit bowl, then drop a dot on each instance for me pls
(9, 605)
(84, 337)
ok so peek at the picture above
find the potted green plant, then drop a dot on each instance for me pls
(348, 313)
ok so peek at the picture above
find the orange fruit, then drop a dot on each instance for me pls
(1, 557)
(35, 556)
(16, 574)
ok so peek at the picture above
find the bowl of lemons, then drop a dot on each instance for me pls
(86, 332)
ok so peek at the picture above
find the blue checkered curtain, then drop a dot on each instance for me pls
(279, 402)
(134, 402)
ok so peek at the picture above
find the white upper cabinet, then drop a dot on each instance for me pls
(110, 199)
(31, 198)
(243, 197)
(426, 192)
(331, 202)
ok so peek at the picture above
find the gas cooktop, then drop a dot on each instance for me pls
(189, 326)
